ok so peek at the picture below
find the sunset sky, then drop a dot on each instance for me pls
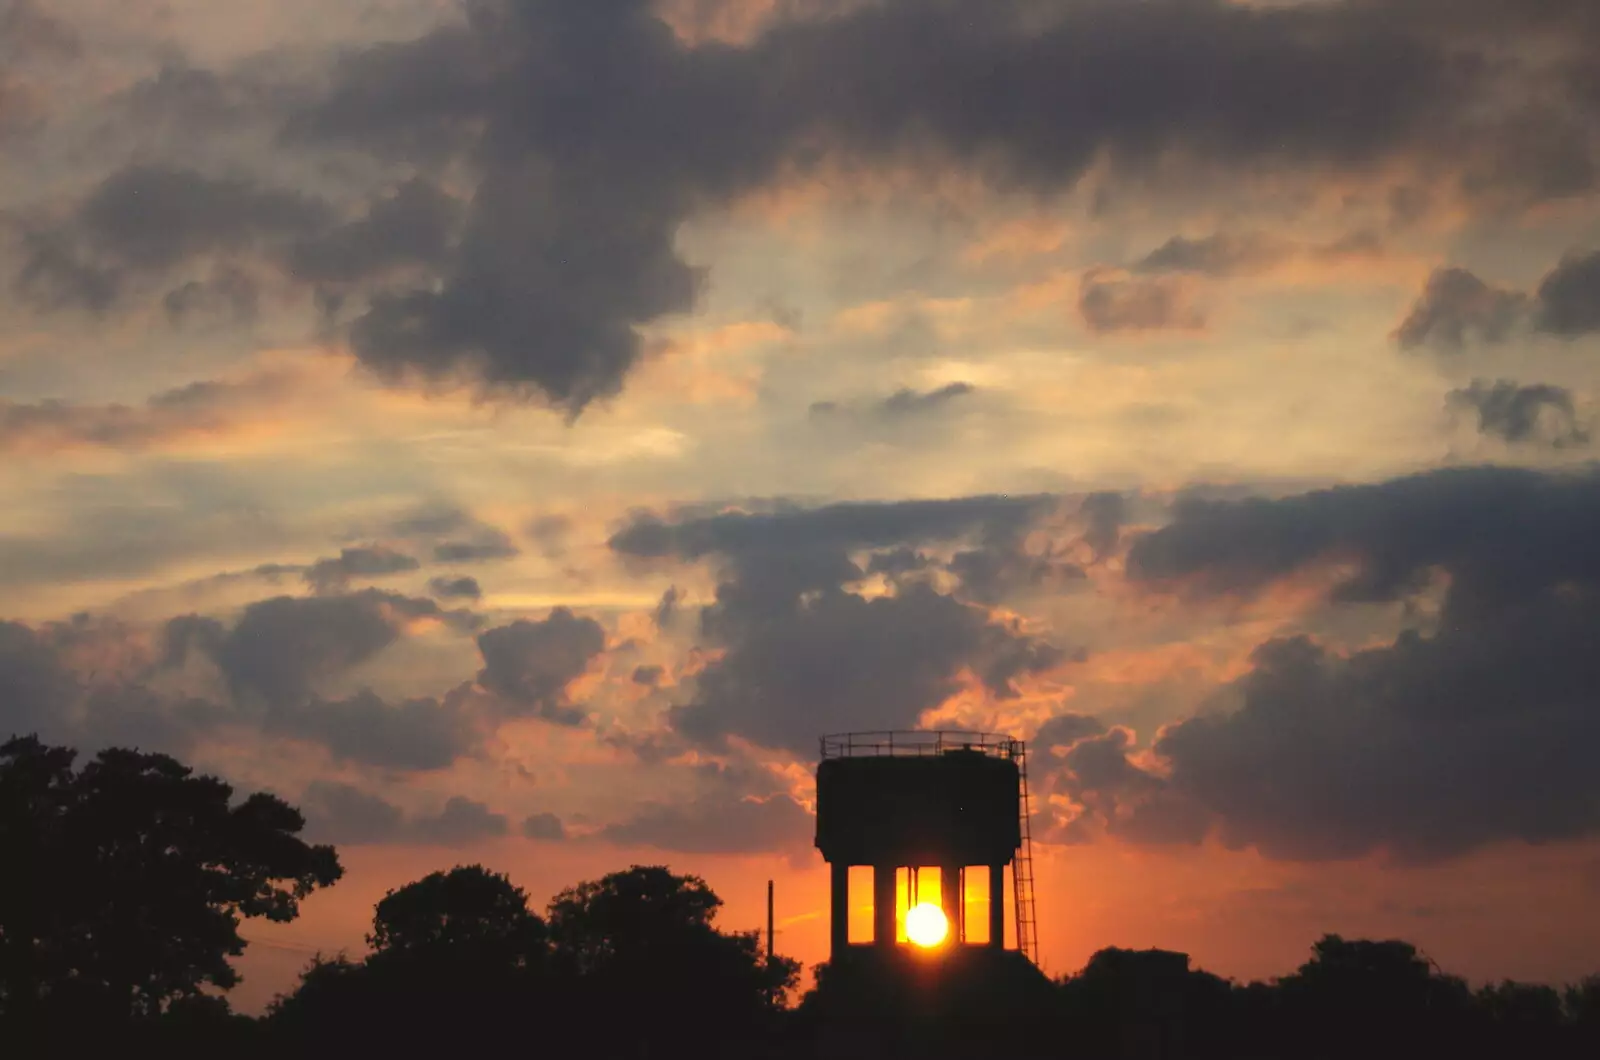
(514, 430)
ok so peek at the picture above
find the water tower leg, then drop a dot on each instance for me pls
(950, 898)
(839, 912)
(997, 906)
(883, 901)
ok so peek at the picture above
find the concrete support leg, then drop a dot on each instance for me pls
(883, 901)
(950, 898)
(997, 906)
(839, 912)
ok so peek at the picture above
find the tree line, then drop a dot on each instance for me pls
(123, 883)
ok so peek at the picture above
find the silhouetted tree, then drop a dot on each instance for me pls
(644, 943)
(1378, 997)
(125, 882)
(455, 954)
(468, 910)
(1148, 1003)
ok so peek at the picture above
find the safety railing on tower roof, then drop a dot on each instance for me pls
(913, 743)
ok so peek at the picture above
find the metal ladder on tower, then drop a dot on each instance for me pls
(1022, 867)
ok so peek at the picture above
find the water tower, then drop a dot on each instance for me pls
(900, 803)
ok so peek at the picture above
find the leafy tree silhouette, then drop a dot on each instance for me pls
(455, 953)
(126, 881)
(644, 943)
(468, 909)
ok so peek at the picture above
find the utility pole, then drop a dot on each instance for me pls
(769, 920)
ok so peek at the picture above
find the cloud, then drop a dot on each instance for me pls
(462, 822)
(343, 814)
(545, 827)
(902, 404)
(870, 524)
(567, 248)
(1569, 297)
(530, 666)
(1457, 305)
(35, 688)
(149, 218)
(230, 293)
(1214, 255)
(1109, 301)
(801, 654)
(1539, 414)
(1501, 534)
(489, 544)
(28, 32)
(455, 588)
(197, 409)
(1423, 748)
(281, 648)
(366, 561)
(1065, 730)
(717, 825)
(412, 224)
(414, 734)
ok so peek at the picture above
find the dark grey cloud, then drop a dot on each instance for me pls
(790, 548)
(55, 274)
(1221, 254)
(452, 535)
(413, 224)
(801, 654)
(991, 575)
(594, 133)
(839, 663)
(27, 31)
(344, 814)
(95, 682)
(84, 682)
(1103, 515)
(1109, 302)
(544, 827)
(36, 690)
(529, 666)
(149, 218)
(1471, 731)
(791, 528)
(281, 648)
(1064, 730)
(455, 588)
(902, 404)
(1457, 305)
(648, 676)
(1537, 414)
(717, 825)
(197, 408)
(1569, 297)
(230, 293)
(1502, 534)
(364, 561)
(487, 544)
(462, 822)
(413, 734)
(667, 608)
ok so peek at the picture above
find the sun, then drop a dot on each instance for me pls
(926, 925)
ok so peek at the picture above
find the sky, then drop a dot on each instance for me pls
(513, 431)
